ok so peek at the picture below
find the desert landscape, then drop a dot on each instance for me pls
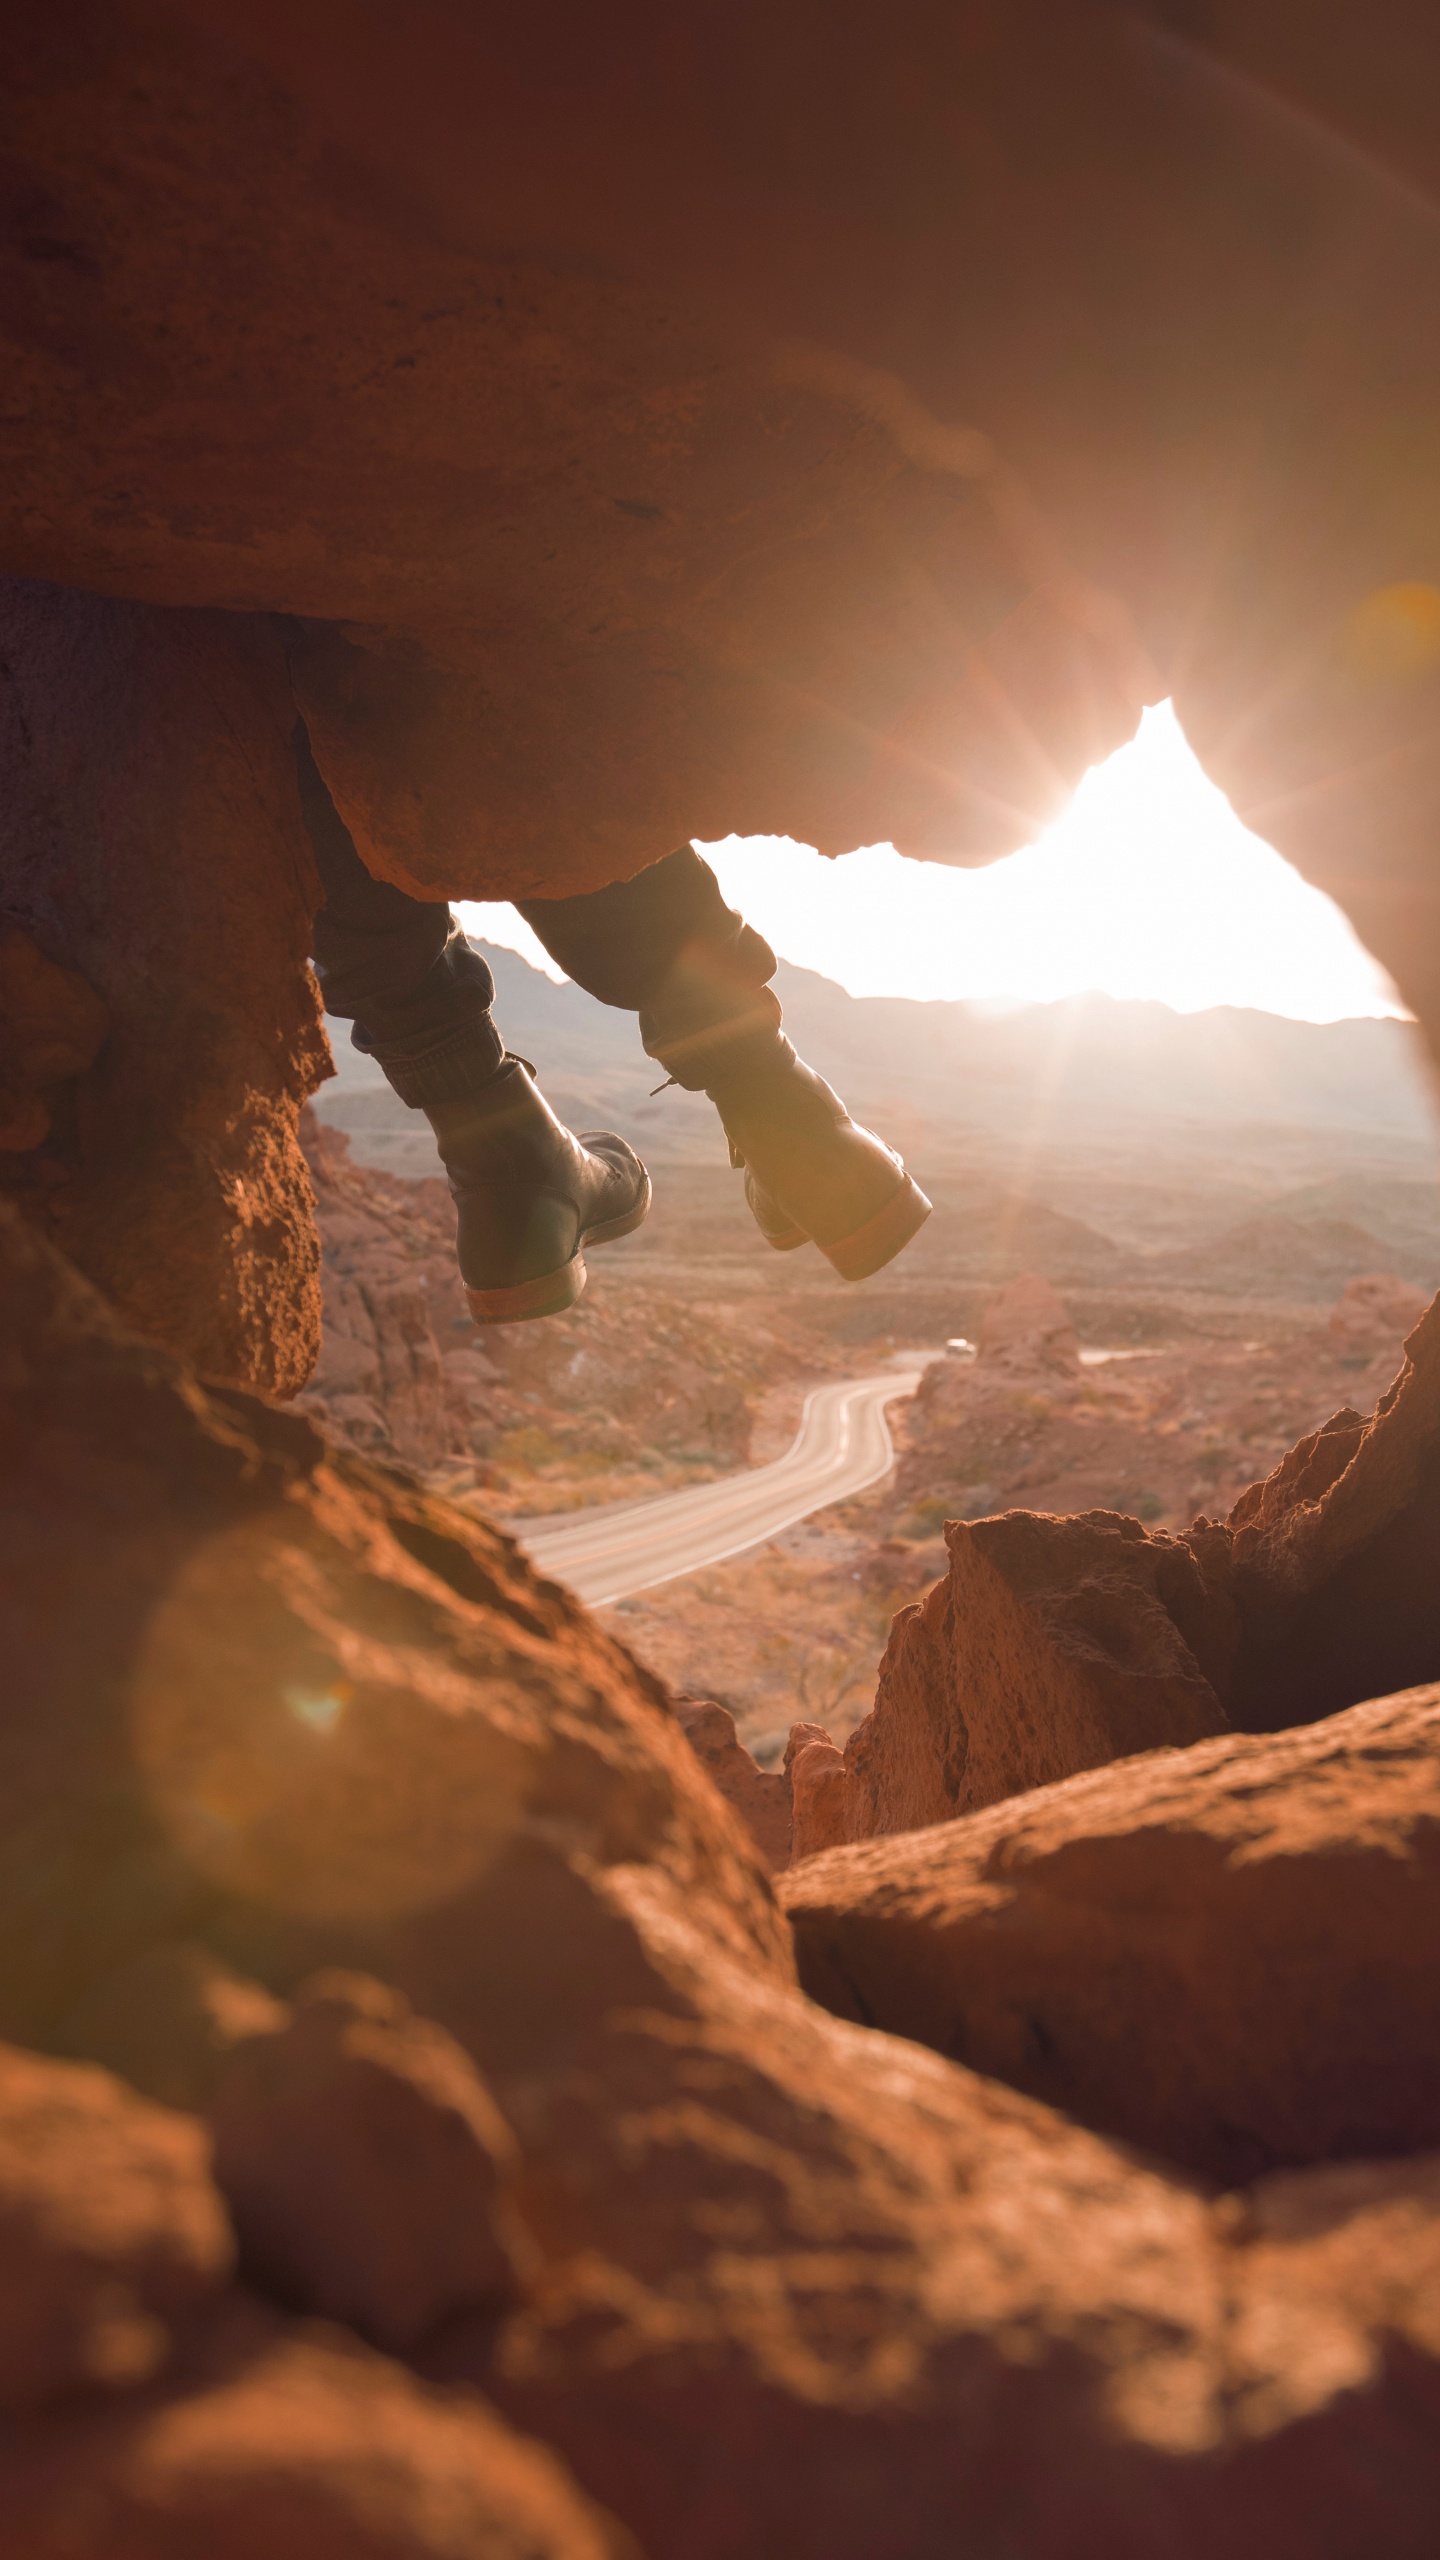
(1201, 1265)
(920, 2035)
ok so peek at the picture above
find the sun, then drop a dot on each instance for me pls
(1148, 887)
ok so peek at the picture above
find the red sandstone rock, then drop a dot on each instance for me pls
(761, 1797)
(1333, 1574)
(392, 1298)
(371, 1685)
(267, 358)
(1229, 1954)
(798, 2280)
(51, 1026)
(110, 2231)
(299, 2445)
(366, 2167)
(1338, 2273)
(150, 843)
(962, 2283)
(815, 1770)
(905, 644)
(1053, 1645)
(169, 2020)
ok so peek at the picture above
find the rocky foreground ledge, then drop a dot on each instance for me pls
(415, 2142)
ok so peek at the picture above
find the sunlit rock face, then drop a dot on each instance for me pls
(1229, 1954)
(1055, 1644)
(761, 2277)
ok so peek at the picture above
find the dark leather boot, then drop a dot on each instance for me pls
(812, 1174)
(531, 1196)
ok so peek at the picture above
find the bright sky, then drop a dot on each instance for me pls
(1148, 886)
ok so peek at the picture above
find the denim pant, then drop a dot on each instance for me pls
(663, 945)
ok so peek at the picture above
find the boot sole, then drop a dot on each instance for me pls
(554, 1291)
(870, 1247)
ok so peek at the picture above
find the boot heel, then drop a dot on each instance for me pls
(867, 1249)
(550, 1295)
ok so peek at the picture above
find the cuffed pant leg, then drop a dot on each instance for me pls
(398, 969)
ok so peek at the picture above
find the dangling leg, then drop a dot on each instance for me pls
(666, 946)
(530, 1196)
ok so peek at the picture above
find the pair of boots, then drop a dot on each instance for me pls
(532, 1197)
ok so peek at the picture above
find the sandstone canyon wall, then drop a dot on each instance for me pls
(414, 2138)
(808, 423)
(421, 2137)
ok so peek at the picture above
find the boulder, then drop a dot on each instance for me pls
(761, 1797)
(826, 2294)
(1230, 1955)
(1058, 1644)
(1331, 1559)
(1052, 1645)
(303, 2445)
(797, 2285)
(366, 2166)
(111, 2232)
(299, 1710)
(814, 1767)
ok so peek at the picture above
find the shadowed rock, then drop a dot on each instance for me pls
(110, 2232)
(169, 2020)
(150, 840)
(761, 1797)
(1229, 1954)
(367, 2167)
(303, 2445)
(795, 2279)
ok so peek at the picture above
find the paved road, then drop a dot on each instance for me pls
(843, 1444)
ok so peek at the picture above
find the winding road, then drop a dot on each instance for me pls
(843, 1444)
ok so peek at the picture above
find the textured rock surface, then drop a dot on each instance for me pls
(302, 1711)
(168, 2020)
(110, 2231)
(615, 1389)
(819, 1791)
(790, 523)
(852, 513)
(150, 844)
(1229, 1954)
(799, 2286)
(366, 2166)
(519, 490)
(301, 2445)
(761, 1797)
(51, 1028)
(1057, 1644)
(1052, 1645)
(1332, 1559)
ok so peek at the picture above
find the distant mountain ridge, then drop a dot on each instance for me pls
(1078, 1069)
(1102, 1143)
